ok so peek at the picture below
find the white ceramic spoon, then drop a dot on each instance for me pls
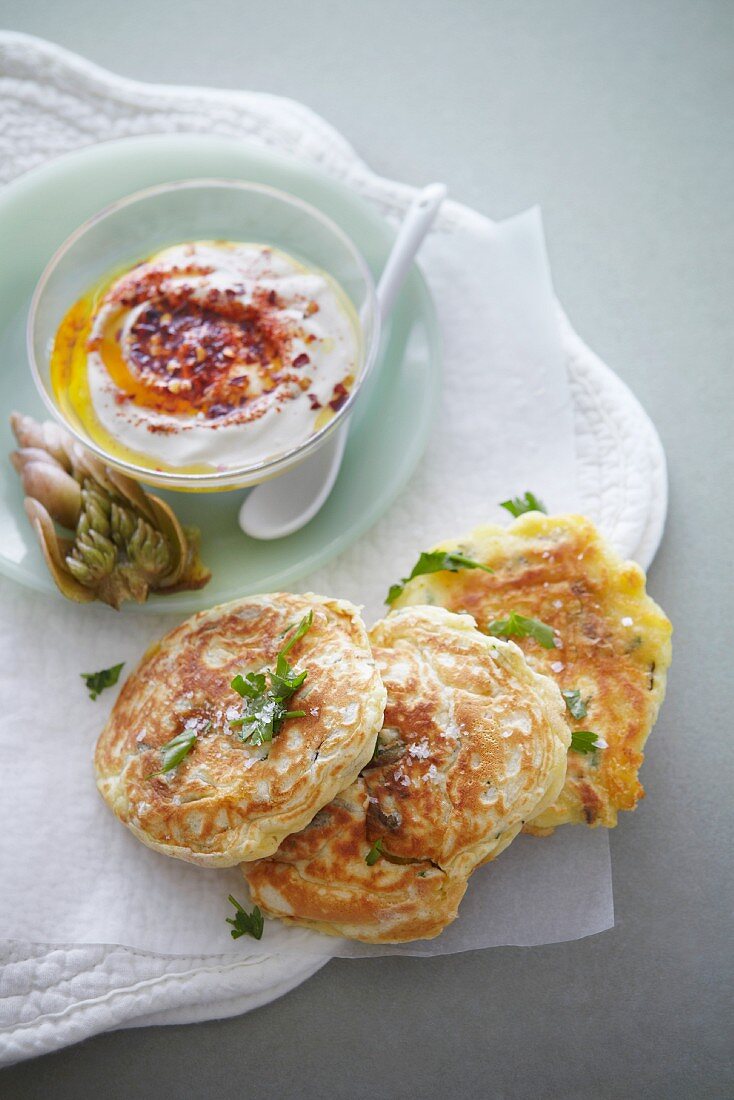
(285, 504)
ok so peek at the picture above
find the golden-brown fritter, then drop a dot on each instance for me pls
(474, 743)
(227, 801)
(612, 643)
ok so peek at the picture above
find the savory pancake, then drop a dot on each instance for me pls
(218, 747)
(474, 744)
(612, 644)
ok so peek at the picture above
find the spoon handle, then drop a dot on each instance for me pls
(412, 230)
(283, 505)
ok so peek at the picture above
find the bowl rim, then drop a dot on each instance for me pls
(232, 477)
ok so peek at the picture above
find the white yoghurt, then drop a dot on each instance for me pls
(313, 317)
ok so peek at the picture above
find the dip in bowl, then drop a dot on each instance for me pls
(207, 334)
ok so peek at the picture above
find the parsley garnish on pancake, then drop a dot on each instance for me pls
(585, 741)
(517, 506)
(265, 710)
(575, 705)
(434, 561)
(522, 626)
(374, 853)
(175, 750)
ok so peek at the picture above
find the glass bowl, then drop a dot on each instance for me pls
(134, 228)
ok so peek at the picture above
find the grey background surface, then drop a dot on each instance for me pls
(617, 118)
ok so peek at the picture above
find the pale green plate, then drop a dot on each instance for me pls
(392, 420)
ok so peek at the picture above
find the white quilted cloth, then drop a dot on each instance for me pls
(52, 102)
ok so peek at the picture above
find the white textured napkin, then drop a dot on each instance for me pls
(506, 422)
(71, 874)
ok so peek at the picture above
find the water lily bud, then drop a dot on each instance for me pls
(46, 436)
(97, 553)
(21, 458)
(125, 541)
(97, 509)
(148, 550)
(122, 524)
(56, 490)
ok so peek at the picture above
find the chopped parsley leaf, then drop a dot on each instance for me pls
(96, 682)
(434, 561)
(517, 506)
(574, 702)
(177, 748)
(303, 627)
(265, 710)
(374, 853)
(520, 626)
(584, 741)
(244, 923)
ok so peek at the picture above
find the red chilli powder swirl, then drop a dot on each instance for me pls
(189, 353)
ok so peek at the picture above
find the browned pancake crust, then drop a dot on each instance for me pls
(319, 878)
(614, 643)
(227, 801)
(473, 744)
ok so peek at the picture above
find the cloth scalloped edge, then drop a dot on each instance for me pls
(56, 996)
